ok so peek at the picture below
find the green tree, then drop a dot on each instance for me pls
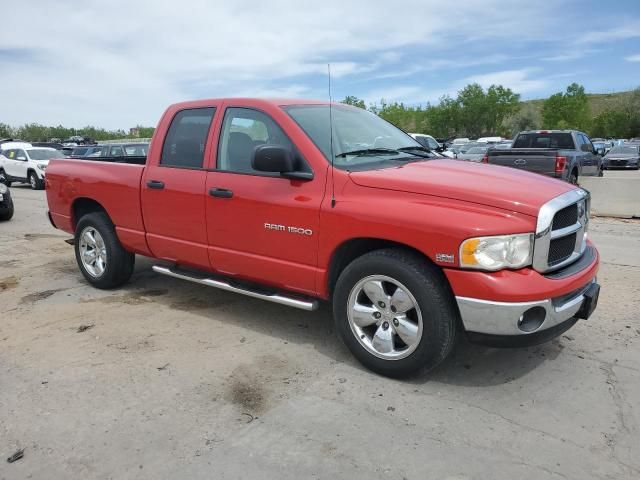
(5, 131)
(567, 110)
(355, 101)
(612, 123)
(527, 118)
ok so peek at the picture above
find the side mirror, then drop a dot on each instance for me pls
(21, 158)
(277, 159)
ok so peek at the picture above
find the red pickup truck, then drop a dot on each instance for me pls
(299, 201)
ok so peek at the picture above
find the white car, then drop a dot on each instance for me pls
(489, 140)
(426, 141)
(25, 163)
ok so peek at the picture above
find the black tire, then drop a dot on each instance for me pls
(573, 178)
(35, 182)
(4, 179)
(429, 287)
(7, 212)
(119, 262)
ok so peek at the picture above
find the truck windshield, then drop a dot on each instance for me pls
(361, 139)
(560, 140)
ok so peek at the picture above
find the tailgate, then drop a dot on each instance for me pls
(540, 160)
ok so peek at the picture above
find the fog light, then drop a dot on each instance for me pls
(531, 320)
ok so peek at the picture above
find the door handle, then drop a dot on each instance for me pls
(155, 184)
(220, 193)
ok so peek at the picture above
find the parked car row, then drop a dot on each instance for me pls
(23, 162)
(564, 154)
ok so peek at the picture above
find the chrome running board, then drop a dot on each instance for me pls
(275, 298)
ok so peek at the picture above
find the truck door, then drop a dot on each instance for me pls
(591, 157)
(261, 226)
(173, 188)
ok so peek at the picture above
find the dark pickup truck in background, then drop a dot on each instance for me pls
(564, 154)
(135, 153)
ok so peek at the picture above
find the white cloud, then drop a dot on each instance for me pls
(120, 63)
(633, 58)
(571, 53)
(517, 80)
(392, 94)
(622, 32)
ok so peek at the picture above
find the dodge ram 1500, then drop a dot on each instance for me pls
(297, 201)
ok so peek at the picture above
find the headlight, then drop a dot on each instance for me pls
(3, 188)
(42, 167)
(496, 253)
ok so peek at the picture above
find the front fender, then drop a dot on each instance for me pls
(431, 225)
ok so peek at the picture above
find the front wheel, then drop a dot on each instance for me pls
(4, 179)
(35, 182)
(103, 261)
(395, 312)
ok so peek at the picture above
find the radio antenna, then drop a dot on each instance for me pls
(333, 188)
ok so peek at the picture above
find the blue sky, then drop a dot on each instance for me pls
(81, 62)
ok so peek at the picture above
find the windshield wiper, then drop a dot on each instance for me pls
(368, 151)
(413, 150)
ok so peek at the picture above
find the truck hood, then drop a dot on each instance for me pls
(500, 187)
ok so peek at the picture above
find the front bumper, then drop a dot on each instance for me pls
(621, 164)
(521, 318)
(523, 307)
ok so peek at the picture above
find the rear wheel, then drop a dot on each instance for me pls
(395, 312)
(103, 261)
(573, 178)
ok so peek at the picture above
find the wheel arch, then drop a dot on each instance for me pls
(83, 206)
(353, 248)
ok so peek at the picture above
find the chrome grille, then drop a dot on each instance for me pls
(561, 231)
(560, 249)
(566, 217)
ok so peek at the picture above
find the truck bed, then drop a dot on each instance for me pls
(115, 186)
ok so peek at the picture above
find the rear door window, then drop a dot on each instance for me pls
(186, 138)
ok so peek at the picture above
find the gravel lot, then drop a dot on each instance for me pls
(176, 380)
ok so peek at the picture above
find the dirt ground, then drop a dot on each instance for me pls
(176, 380)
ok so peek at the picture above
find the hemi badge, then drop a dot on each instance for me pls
(445, 257)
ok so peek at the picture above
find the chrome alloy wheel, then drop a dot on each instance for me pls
(32, 181)
(93, 252)
(385, 317)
